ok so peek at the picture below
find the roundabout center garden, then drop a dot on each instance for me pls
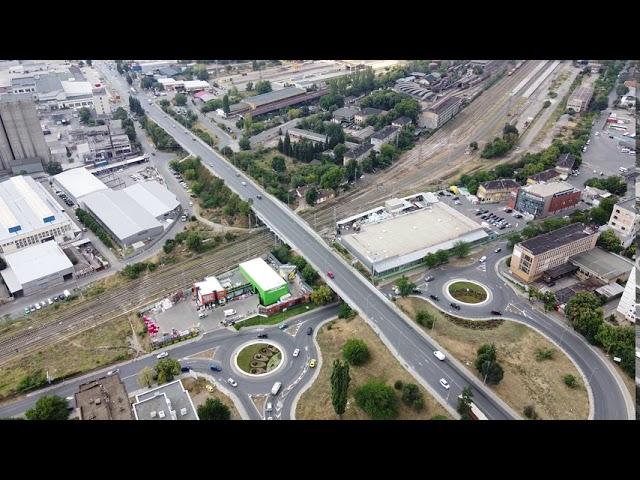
(468, 292)
(259, 358)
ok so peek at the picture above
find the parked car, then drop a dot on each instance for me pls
(162, 355)
(417, 290)
(185, 369)
(444, 383)
(439, 355)
(498, 250)
(27, 310)
(296, 352)
(232, 382)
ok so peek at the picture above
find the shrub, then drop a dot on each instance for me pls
(356, 352)
(418, 404)
(530, 412)
(570, 381)
(398, 385)
(410, 393)
(544, 354)
(378, 400)
(424, 318)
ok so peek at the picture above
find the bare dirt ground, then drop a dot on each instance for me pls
(198, 390)
(526, 381)
(315, 403)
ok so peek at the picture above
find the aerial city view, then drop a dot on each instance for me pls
(318, 239)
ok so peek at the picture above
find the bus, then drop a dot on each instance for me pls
(475, 413)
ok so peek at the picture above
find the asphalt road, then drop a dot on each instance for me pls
(294, 374)
(409, 344)
(406, 341)
(609, 397)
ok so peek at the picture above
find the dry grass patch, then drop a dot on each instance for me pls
(94, 348)
(526, 381)
(315, 403)
(197, 388)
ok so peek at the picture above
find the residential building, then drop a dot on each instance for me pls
(324, 194)
(551, 175)
(440, 113)
(170, 401)
(496, 191)
(361, 135)
(104, 398)
(29, 215)
(297, 134)
(209, 291)
(565, 163)
(624, 221)
(22, 143)
(533, 257)
(542, 199)
(36, 268)
(345, 114)
(363, 115)
(628, 305)
(358, 153)
(386, 135)
(401, 122)
(580, 98)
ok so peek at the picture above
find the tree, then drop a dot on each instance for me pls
(311, 196)
(202, 73)
(430, 260)
(356, 352)
(214, 409)
(345, 311)
(405, 287)
(166, 370)
(464, 404)
(85, 115)
(321, 295)
(377, 400)
(146, 377)
(338, 152)
(424, 318)
(147, 82)
(473, 146)
(530, 412)
(339, 386)
(487, 365)
(584, 312)
(180, 99)
(194, 242)
(49, 408)
(89, 62)
(442, 256)
(461, 249)
(244, 143)
(225, 104)
(352, 170)
(410, 394)
(546, 104)
(609, 241)
(53, 168)
(331, 178)
(249, 86)
(263, 86)
(309, 274)
(278, 163)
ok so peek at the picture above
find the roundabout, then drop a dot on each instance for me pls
(258, 358)
(466, 292)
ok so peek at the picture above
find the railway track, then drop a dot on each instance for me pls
(131, 296)
(435, 158)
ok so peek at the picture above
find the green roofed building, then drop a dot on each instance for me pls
(265, 280)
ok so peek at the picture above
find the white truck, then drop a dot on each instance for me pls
(276, 388)
(229, 312)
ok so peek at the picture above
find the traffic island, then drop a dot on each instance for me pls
(467, 293)
(258, 358)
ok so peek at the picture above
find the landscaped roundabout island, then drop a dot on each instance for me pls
(259, 358)
(468, 292)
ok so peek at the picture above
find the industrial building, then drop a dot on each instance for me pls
(38, 267)
(440, 113)
(628, 305)
(22, 143)
(125, 220)
(496, 191)
(358, 153)
(391, 238)
(624, 221)
(77, 183)
(166, 402)
(345, 114)
(533, 257)
(274, 100)
(580, 98)
(210, 291)
(154, 198)
(270, 286)
(103, 399)
(386, 135)
(546, 176)
(601, 265)
(296, 134)
(542, 199)
(29, 215)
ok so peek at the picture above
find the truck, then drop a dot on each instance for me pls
(229, 312)
(276, 388)
(475, 413)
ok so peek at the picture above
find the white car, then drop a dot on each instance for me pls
(444, 383)
(232, 382)
(162, 355)
(244, 184)
(638, 353)
(597, 133)
(296, 352)
(439, 355)
(38, 307)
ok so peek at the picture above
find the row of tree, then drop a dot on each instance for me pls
(88, 221)
(500, 146)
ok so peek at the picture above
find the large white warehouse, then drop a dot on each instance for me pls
(78, 182)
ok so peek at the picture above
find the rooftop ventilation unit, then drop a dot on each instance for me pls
(183, 411)
(154, 414)
(161, 414)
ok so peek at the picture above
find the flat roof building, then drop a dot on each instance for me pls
(440, 113)
(533, 257)
(154, 198)
(273, 96)
(298, 133)
(166, 402)
(624, 221)
(104, 399)
(580, 98)
(36, 268)
(386, 135)
(399, 241)
(29, 215)
(265, 280)
(345, 114)
(602, 265)
(496, 191)
(209, 291)
(542, 199)
(78, 182)
(358, 153)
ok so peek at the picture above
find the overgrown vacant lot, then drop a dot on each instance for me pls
(315, 403)
(526, 381)
(198, 390)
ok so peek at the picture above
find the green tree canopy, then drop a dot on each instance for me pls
(180, 99)
(214, 409)
(321, 295)
(461, 249)
(356, 352)
(405, 286)
(49, 408)
(377, 400)
(166, 370)
(340, 379)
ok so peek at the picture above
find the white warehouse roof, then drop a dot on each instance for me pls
(116, 210)
(35, 262)
(153, 197)
(263, 274)
(76, 89)
(209, 285)
(79, 182)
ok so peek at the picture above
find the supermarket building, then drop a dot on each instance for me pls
(269, 285)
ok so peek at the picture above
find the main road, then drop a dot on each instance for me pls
(409, 344)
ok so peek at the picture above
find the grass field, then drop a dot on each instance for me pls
(82, 353)
(526, 381)
(275, 319)
(315, 403)
(468, 292)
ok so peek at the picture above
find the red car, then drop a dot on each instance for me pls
(330, 274)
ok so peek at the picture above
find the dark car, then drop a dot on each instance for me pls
(259, 197)
(455, 306)
(263, 335)
(186, 368)
(416, 290)
(215, 367)
(309, 331)
(508, 210)
(429, 279)
(518, 215)
(478, 213)
(434, 297)
(283, 326)
(495, 312)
